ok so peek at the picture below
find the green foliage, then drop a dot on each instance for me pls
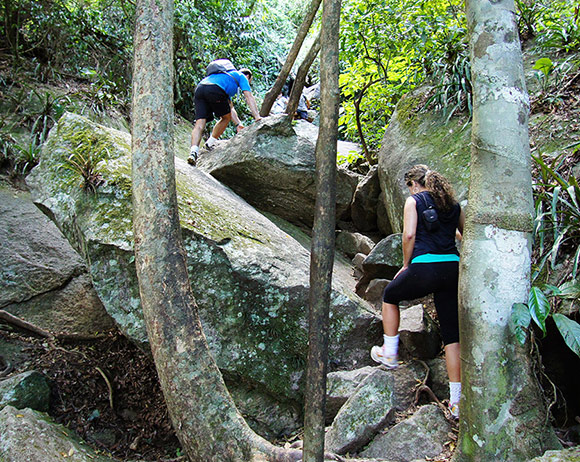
(388, 48)
(84, 160)
(570, 331)
(539, 309)
(557, 222)
(351, 158)
(556, 25)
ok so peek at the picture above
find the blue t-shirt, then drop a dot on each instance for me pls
(229, 82)
(440, 242)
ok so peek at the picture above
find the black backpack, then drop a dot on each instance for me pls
(429, 215)
(220, 66)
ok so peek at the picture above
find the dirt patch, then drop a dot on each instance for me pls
(105, 390)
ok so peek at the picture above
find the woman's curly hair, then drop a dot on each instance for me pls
(437, 185)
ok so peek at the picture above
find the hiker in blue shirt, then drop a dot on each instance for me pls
(213, 98)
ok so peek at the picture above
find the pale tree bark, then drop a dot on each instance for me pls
(301, 75)
(323, 233)
(503, 416)
(202, 412)
(273, 93)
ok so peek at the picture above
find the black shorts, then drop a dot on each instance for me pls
(439, 279)
(211, 100)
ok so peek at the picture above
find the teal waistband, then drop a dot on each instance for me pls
(435, 258)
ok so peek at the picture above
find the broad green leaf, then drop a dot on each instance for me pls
(570, 331)
(544, 65)
(539, 307)
(570, 289)
(520, 319)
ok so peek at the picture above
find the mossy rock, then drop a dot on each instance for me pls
(250, 279)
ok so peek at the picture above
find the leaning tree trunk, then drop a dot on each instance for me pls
(503, 416)
(301, 75)
(323, 233)
(273, 93)
(202, 412)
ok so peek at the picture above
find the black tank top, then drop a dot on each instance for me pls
(442, 241)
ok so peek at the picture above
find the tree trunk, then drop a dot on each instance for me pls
(301, 75)
(323, 233)
(287, 67)
(357, 112)
(503, 416)
(203, 414)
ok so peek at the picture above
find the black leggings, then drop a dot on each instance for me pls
(439, 279)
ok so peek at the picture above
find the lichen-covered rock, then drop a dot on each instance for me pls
(413, 139)
(340, 386)
(385, 259)
(43, 280)
(371, 408)
(420, 436)
(249, 278)
(271, 164)
(27, 435)
(29, 389)
(565, 455)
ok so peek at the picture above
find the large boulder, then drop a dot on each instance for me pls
(271, 164)
(27, 435)
(249, 278)
(415, 137)
(420, 436)
(372, 407)
(43, 280)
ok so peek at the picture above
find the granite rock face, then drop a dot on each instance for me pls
(43, 280)
(271, 164)
(27, 435)
(249, 278)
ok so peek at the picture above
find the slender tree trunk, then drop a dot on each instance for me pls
(503, 416)
(287, 67)
(357, 111)
(301, 75)
(201, 409)
(322, 255)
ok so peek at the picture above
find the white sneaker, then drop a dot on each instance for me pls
(192, 159)
(390, 362)
(454, 410)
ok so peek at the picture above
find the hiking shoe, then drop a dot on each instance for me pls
(390, 362)
(454, 410)
(192, 160)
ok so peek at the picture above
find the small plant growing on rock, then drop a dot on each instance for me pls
(84, 162)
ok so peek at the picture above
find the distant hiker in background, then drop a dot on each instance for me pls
(432, 219)
(213, 98)
(303, 106)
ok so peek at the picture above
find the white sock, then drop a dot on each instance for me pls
(210, 141)
(390, 345)
(454, 392)
(194, 151)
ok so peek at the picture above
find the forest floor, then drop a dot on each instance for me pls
(106, 390)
